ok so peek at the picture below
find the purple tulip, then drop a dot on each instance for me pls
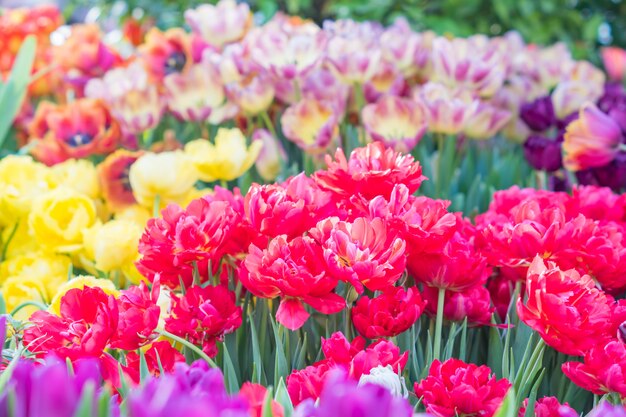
(613, 103)
(191, 391)
(49, 390)
(604, 409)
(543, 153)
(3, 333)
(344, 398)
(539, 114)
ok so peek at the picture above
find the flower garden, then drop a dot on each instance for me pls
(286, 219)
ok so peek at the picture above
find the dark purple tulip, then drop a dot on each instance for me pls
(542, 153)
(612, 175)
(561, 124)
(558, 183)
(613, 103)
(344, 398)
(539, 114)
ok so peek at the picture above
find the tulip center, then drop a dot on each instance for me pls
(79, 139)
(175, 62)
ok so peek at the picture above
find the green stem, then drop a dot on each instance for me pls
(439, 323)
(157, 206)
(224, 184)
(20, 306)
(8, 242)
(189, 345)
(268, 123)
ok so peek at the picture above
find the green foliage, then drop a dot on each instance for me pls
(13, 91)
(542, 22)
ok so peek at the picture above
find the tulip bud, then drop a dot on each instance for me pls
(386, 377)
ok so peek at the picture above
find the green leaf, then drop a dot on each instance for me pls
(256, 354)
(85, 407)
(144, 372)
(509, 407)
(230, 375)
(267, 404)
(124, 388)
(280, 364)
(14, 90)
(3, 305)
(282, 397)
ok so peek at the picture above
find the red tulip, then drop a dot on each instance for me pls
(204, 315)
(363, 252)
(370, 171)
(160, 355)
(255, 395)
(567, 310)
(389, 314)
(603, 370)
(139, 316)
(294, 270)
(473, 304)
(455, 388)
(548, 407)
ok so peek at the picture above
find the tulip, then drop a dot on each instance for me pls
(165, 53)
(192, 95)
(567, 310)
(614, 60)
(79, 129)
(605, 409)
(542, 153)
(398, 123)
(227, 159)
(466, 63)
(370, 171)
(343, 397)
(389, 314)
(310, 124)
(133, 100)
(592, 140)
(386, 377)
(113, 174)
(538, 114)
(224, 23)
(448, 110)
(288, 56)
(486, 121)
(407, 50)
(601, 370)
(253, 94)
(353, 52)
(445, 390)
(271, 157)
(168, 176)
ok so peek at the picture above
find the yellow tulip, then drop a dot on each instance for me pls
(21, 181)
(168, 175)
(17, 290)
(79, 175)
(81, 282)
(59, 217)
(227, 159)
(49, 269)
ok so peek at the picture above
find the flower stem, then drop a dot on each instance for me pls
(157, 205)
(439, 323)
(268, 123)
(187, 344)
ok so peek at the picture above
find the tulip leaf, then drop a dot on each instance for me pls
(508, 408)
(124, 388)
(85, 404)
(280, 364)
(3, 305)
(282, 397)
(256, 354)
(144, 372)
(267, 404)
(230, 375)
(12, 92)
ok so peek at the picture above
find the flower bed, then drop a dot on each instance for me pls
(287, 220)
